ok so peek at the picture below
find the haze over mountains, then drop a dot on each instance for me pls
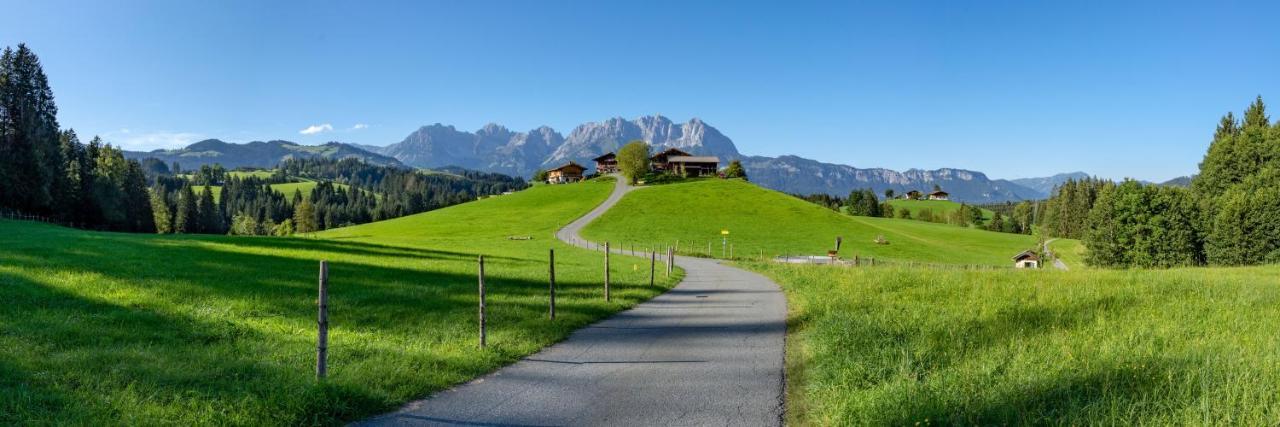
(494, 148)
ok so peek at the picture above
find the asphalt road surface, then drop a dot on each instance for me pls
(708, 352)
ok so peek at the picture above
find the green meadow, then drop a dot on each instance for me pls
(763, 221)
(1070, 251)
(899, 346)
(129, 329)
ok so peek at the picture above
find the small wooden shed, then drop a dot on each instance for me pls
(1026, 259)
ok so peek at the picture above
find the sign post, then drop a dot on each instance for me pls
(724, 242)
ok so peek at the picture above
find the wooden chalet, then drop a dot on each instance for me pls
(606, 164)
(1026, 259)
(660, 161)
(911, 195)
(570, 172)
(939, 195)
(693, 165)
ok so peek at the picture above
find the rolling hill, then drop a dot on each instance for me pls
(764, 221)
(114, 328)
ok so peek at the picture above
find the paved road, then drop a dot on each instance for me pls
(1057, 263)
(708, 352)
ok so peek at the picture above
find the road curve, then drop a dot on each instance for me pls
(707, 352)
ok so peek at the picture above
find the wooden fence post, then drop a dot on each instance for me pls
(481, 275)
(708, 249)
(322, 323)
(552, 270)
(606, 271)
(653, 259)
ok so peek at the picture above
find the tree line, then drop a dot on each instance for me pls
(1229, 216)
(1018, 218)
(47, 171)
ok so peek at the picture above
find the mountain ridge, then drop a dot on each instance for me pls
(496, 148)
(260, 154)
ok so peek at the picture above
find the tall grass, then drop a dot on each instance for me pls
(891, 346)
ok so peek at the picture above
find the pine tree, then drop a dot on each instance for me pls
(31, 166)
(304, 217)
(207, 212)
(186, 219)
(160, 210)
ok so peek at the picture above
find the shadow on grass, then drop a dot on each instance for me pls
(165, 325)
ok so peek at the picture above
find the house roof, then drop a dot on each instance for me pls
(939, 193)
(567, 166)
(693, 159)
(606, 156)
(670, 152)
(1026, 255)
(913, 191)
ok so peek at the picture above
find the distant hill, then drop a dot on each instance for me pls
(1182, 181)
(257, 154)
(1046, 185)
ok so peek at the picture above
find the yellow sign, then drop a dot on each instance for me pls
(725, 232)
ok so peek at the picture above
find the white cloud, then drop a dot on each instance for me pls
(315, 129)
(359, 126)
(147, 141)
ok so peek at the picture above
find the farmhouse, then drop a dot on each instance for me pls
(1026, 259)
(912, 195)
(693, 165)
(570, 172)
(939, 195)
(661, 161)
(606, 164)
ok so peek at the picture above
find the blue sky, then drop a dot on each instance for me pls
(1013, 89)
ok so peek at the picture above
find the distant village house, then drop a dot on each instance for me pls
(606, 164)
(570, 172)
(939, 195)
(672, 161)
(676, 161)
(911, 195)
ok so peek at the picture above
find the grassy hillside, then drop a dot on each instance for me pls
(896, 346)
(759, 219)
(1070, 251)
(937, 206)
(110, 328)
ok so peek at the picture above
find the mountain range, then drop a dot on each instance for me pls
(495, 148)
(258, 154)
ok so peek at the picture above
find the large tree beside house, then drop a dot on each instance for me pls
(633, 160)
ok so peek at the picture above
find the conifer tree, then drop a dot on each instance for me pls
(186, 219)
